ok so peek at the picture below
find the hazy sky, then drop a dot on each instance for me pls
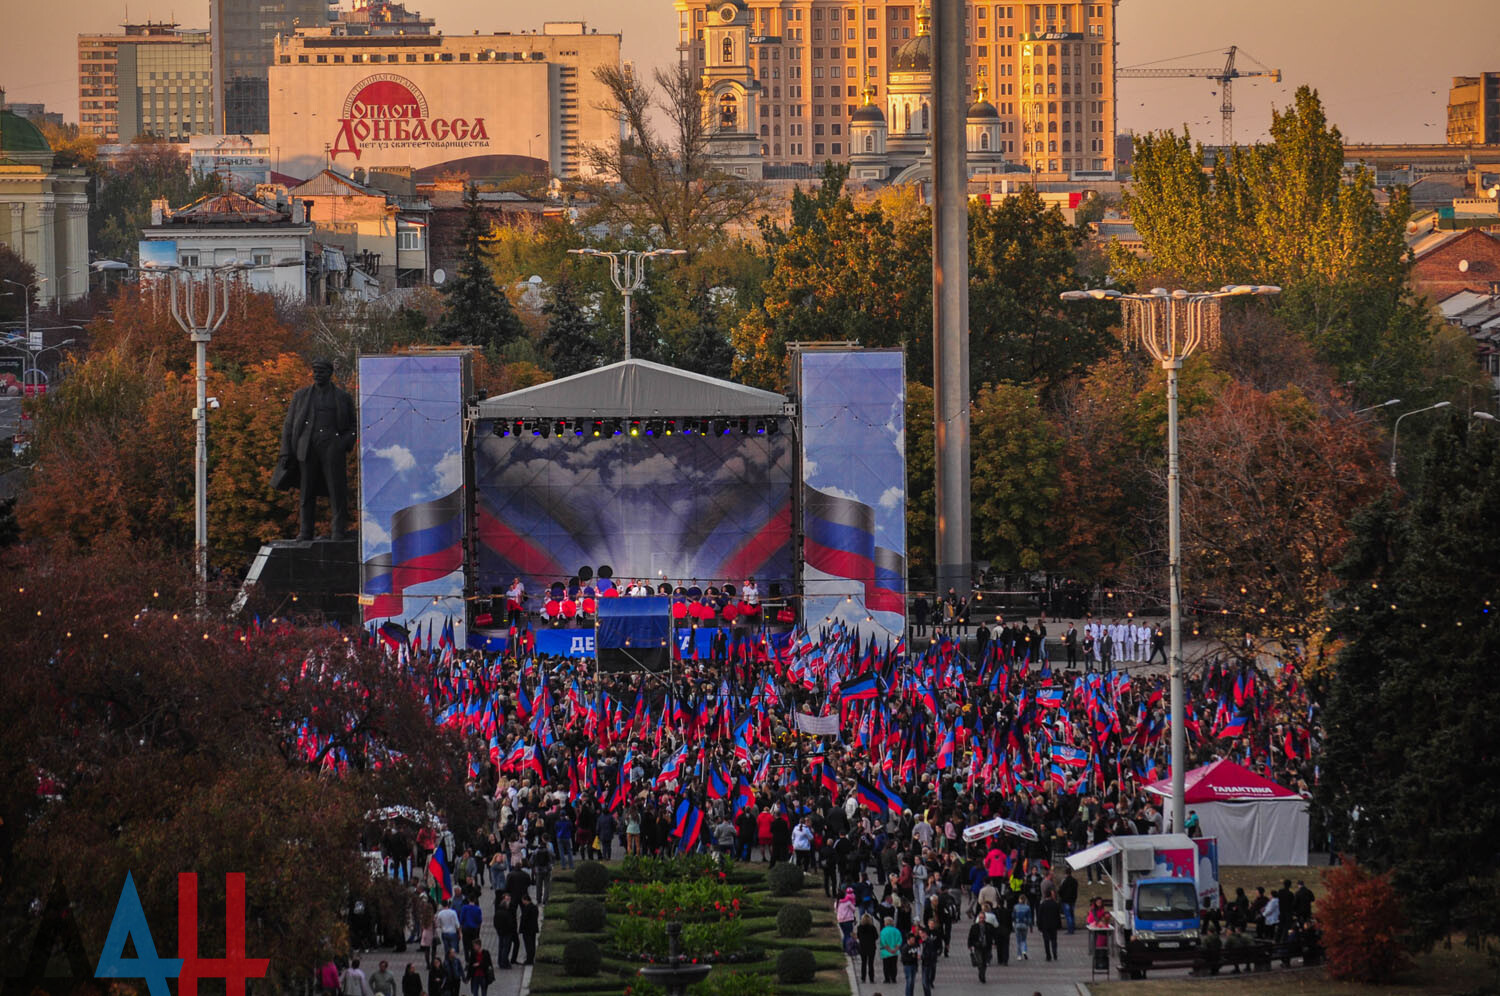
(1383, 71)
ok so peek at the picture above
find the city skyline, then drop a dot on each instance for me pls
(1351, 53)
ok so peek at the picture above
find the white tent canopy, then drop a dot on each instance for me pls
(1257, 821)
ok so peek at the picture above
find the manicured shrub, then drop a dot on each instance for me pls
(586, 916)
(1362, 924)
(786, 879)
(591, 877)
(722, 983)
(581, 956)
(794, 921)
(796, 965)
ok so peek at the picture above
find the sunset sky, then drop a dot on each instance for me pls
(1382, 67)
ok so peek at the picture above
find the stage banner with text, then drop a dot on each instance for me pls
(854, 488)
(411, 492)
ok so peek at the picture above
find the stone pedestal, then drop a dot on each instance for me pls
(322, 574)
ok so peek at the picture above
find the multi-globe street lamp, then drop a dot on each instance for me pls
(1170, 326)
(627, 271)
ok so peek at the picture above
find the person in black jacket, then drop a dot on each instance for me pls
(979, 944)
(1048, 923)
(1067, 894)
(867, 934)
(530, 924)
(411, 981)
(505, 929)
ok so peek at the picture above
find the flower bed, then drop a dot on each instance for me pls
(681, 900)
(638, 868)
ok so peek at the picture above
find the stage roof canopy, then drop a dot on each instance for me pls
(633, 389)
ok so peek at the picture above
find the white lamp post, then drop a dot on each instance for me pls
(200, 303)
(1171, 325)
(627, 271)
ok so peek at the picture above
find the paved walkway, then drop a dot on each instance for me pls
(514, 981)
(957, 977)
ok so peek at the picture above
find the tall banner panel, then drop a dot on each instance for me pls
(854, 488)
(411, 476)
(713, 508)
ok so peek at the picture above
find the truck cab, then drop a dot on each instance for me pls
(1164, 915)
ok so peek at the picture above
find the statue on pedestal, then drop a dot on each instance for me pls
(316, 438)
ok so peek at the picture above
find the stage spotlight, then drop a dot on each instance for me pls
(712, 428)
(500, 429)
(773, 426)
(652, 427)
(724, 428)
(635, 427)
(671, 426)
(744, 427)
(687, 427)
(516, 427)
(614, 427)
(577, 427)
(598, 426)
(561, 426)
(536, 429)
(760, 427)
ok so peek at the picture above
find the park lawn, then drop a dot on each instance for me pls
(549, 978)
(1460, 969)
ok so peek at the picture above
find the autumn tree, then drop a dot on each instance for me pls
(150, 168)
(138, 737)
(16, 270)
(1269, 481)
(663, 184)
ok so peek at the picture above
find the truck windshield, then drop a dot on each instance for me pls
(1166, 901)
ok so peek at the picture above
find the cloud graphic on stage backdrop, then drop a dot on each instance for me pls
(411, 487)
(714, 508)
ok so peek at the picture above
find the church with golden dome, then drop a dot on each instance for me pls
(791, 84)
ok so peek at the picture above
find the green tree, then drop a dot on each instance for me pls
(15, 270)
(853, 276)
(1287, 213)
(476, 311)
(1022, 255)
(1014, 455)
(1410, 783)
(570, 345)
(921, 493)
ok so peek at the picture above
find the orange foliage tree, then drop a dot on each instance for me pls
(140, 318)
(1269, 481)
(1362, 924)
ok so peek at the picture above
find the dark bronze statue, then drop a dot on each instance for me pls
(318, 434)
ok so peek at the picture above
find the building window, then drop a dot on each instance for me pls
(869, 143)
(728, 51)
(187, 258)
(409, 239)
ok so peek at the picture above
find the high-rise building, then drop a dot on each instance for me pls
(99, 85)
(388, 91)
(244, 41)
(1048, 68)
(166, 90)
(1474, 110)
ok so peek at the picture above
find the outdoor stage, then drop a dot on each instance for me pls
(639, 473)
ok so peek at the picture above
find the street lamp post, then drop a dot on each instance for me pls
(1171, 325)
(1383, 404)
(1396, 429)
(627, 271)
(200, 319)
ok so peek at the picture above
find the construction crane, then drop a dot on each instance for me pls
(1224, 77)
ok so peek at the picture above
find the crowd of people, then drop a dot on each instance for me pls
(571, 762)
